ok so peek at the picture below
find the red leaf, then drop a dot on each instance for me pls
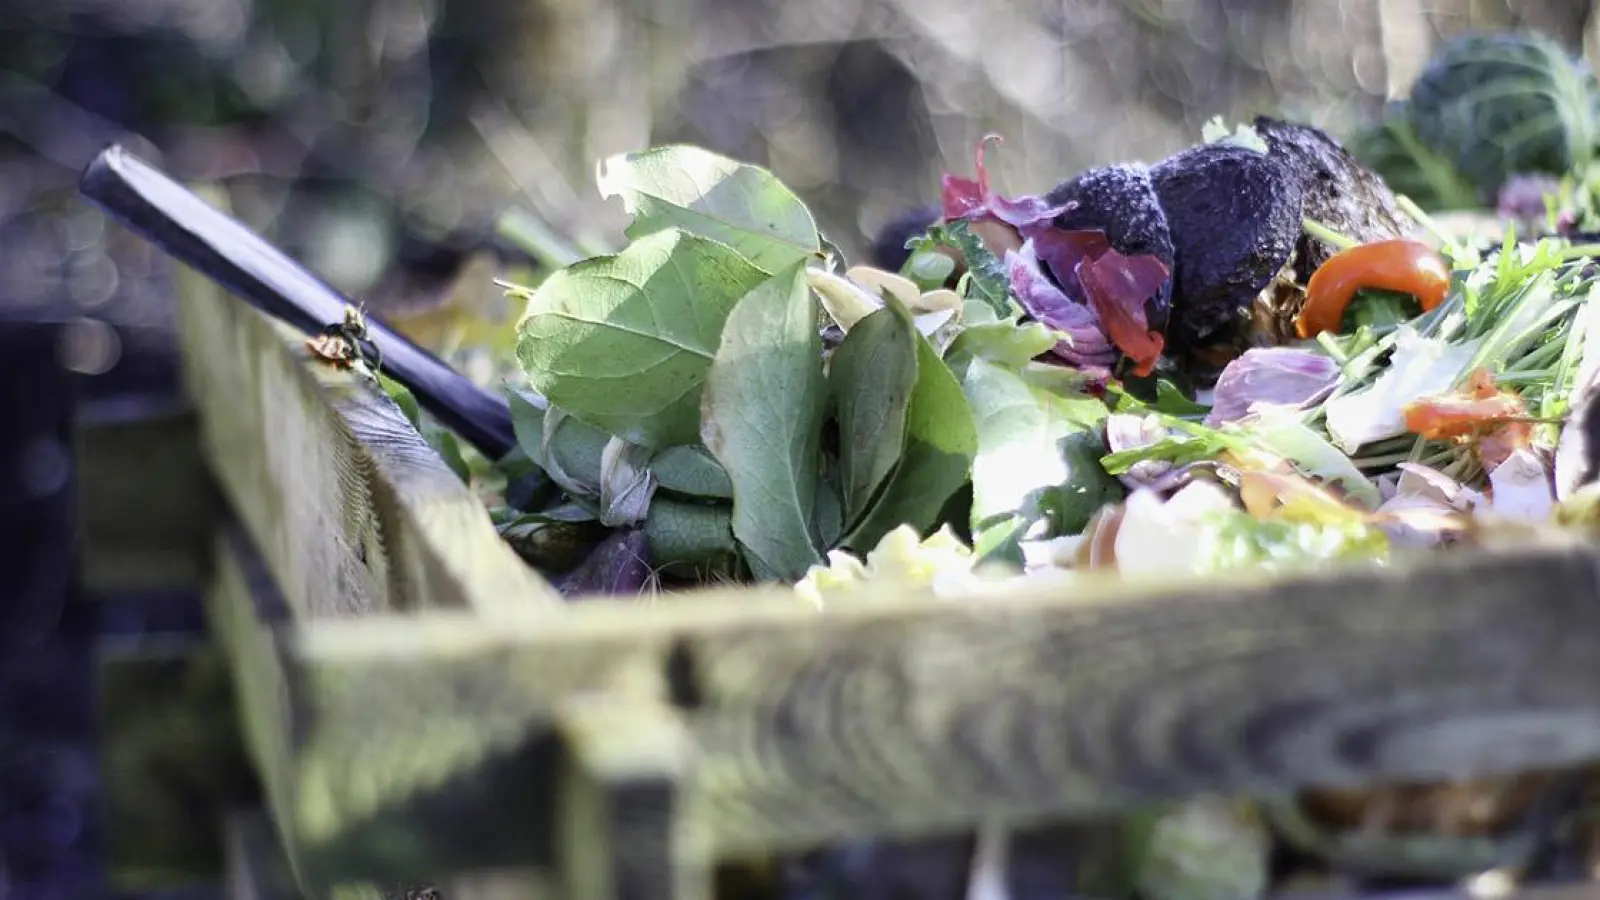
(1117, 287)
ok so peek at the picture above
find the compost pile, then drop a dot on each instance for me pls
(1252, 353)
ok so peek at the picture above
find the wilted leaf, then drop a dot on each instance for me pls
(626, 483)
(870, 379)
(762, 417)
(692, 540)
(738, 204)
(941, 440)
(689, 469)
(649, 319)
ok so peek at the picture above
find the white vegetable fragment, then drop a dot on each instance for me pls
(1520, 488)
(1421, 367)
(1168, 537)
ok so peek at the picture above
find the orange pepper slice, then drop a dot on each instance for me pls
(1402, 265)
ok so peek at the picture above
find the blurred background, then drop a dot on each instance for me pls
(381, 140)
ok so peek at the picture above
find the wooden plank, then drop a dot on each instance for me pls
(172, 757)
(900, 715)
(352, 509)
(618, 802)
(252, 620)
(145, 497)
(256, 867)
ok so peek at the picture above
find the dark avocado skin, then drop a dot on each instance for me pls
(1337, 191)
(888, 249)
(1121, 201)
(1234, 216)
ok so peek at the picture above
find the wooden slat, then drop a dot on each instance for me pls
(252, 620)
(144, 496)
(354, 512)
(619, 805)
(256, 867)
(899, 715)
(172, 759)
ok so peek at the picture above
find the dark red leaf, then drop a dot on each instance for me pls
(1117, 287)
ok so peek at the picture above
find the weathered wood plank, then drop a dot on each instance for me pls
(256, 867)
(252, 620)
(899, 715)
(618, 801)
(173, 760)
(354, 512)
(145, 497)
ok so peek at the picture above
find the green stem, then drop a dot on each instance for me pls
(539, 240)
(1431, 225)
(1578, 251)
(1327, 235)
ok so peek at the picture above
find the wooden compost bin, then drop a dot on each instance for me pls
(419, 704)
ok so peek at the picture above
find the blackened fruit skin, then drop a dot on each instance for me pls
(1121, 201)
(1234, 217)
(1337, 190)
(888, 250)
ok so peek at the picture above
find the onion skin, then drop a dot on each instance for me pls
(1402, 265)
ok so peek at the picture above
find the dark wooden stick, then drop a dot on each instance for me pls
(199, 235)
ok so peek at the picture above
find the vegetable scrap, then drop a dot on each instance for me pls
(1251, 354)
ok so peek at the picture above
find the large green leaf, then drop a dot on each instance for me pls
(870, 379)
(940, 443)
(741, 205)
(624, 342)
(762, 418)
(1023, 463)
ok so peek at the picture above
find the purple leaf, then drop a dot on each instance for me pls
(1275, 375)
(966, 198)
(1043, 301)
(618, 566)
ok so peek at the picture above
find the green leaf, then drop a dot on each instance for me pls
(567, 449)
(870, 379)
(940, 444)
(738, 204)
(692, 540)
(762, 418)
(1003, 343)
(1022, 459)
(624, 342)
(830, 510)
(689, 469)
(1069, 506)
(1174, 402)
(449, 449)
(986, 278)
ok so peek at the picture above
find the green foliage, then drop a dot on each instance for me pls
(1487, 106)
(688, 188)
(649, 318)
(761, 418)
(986, 278)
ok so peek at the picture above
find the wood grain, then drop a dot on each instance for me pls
(624, 765)
(352, 509)
(898, 715)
